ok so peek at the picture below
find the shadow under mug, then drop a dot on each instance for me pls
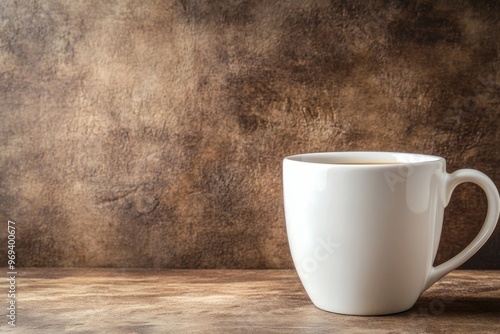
(364, 227)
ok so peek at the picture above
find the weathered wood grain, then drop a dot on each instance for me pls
(233, 301)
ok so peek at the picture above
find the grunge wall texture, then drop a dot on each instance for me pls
(151, 133)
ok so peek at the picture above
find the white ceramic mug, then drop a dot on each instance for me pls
(364, 227)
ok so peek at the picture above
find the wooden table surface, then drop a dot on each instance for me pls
(230, 301)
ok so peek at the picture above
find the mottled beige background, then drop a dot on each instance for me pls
(151, 133)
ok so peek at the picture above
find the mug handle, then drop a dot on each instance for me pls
(451, 181)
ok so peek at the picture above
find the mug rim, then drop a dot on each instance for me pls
(362, 158)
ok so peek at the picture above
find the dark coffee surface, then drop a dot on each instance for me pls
(366, 163)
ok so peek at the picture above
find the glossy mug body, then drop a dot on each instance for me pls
(363, 237)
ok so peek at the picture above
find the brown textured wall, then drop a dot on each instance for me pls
(151, 133)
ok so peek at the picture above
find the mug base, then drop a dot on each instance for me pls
(364, 313)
